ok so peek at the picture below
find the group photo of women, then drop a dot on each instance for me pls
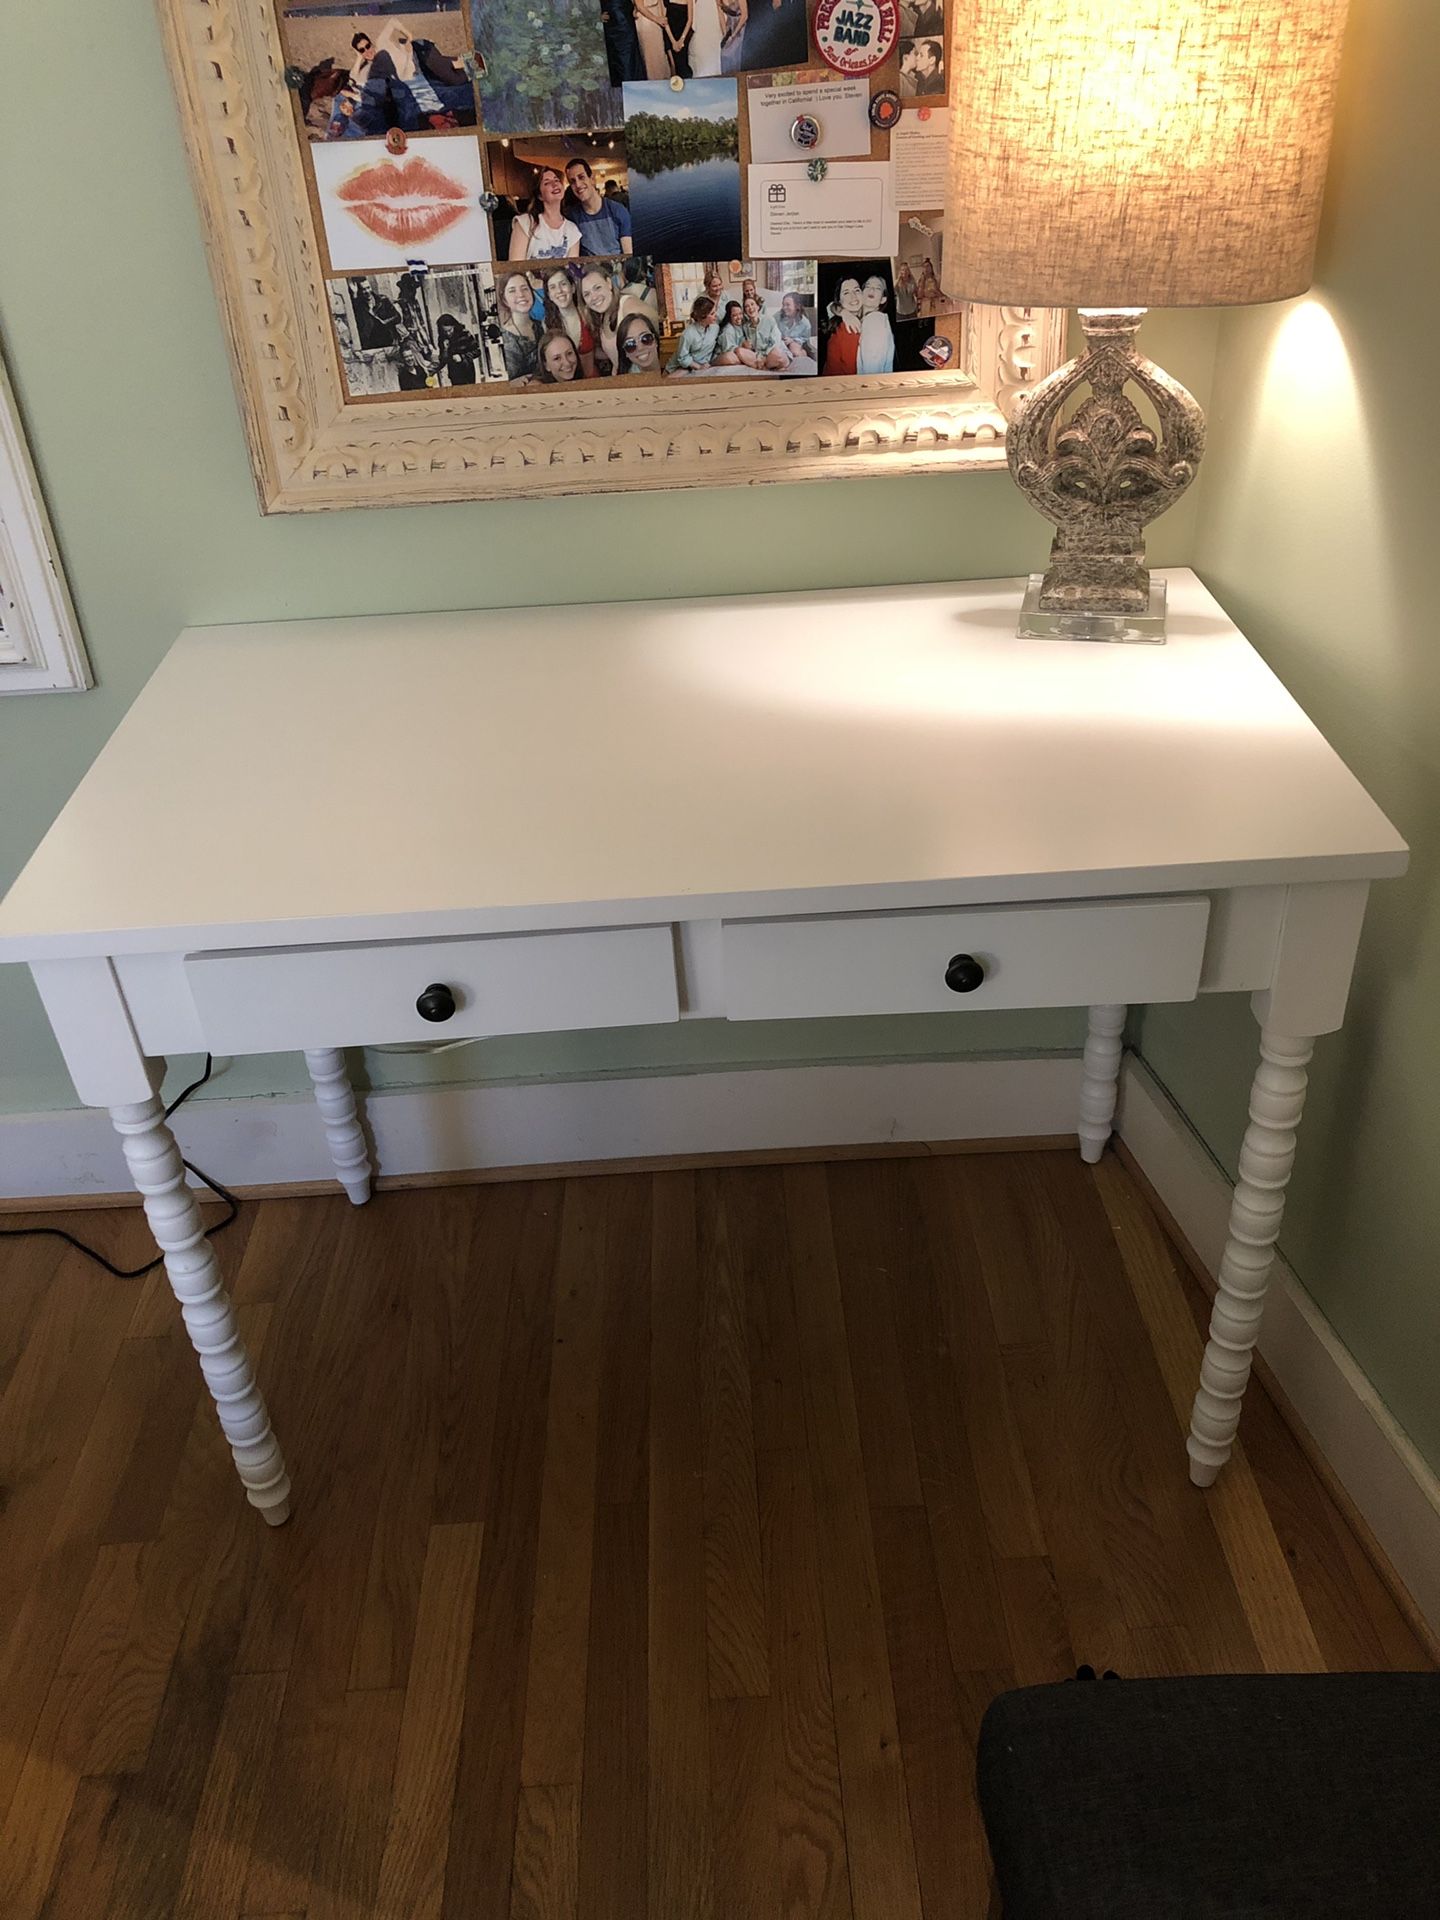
(577, 320)
(761, 323)
(697, 39)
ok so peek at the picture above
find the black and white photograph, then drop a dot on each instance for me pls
(684, 155)
(561, 195)
(416, 332)
(696, 39)
(922, 68)
(367, 70)
(857, 312)
(762, 321)
(922, 20)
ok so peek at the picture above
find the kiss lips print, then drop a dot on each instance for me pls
(404, 201)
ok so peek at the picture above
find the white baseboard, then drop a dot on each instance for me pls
(259, 1143)
(1393, 1489)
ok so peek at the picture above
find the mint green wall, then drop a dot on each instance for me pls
(111, 335)
(1318, 532)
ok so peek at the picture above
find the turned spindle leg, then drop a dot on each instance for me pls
(336, 1099)
(194, 1275)
(1100, 1079)
(1267, 1156)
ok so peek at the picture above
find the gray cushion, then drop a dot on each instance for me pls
(1216, 1799)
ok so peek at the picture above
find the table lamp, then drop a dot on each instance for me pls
(1116, 155)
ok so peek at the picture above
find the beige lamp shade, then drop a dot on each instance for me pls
(1138, 153)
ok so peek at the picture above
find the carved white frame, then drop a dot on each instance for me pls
(311, 448)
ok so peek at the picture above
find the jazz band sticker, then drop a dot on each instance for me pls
(857, 36)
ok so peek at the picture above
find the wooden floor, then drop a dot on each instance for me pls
(658, 1543)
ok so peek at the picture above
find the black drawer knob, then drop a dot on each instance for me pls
(964, 973)
(436, 1003)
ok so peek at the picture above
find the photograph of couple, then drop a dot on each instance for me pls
(413, 332)
(655, 39)
(560, 204)
(364, 74)
(581, 320)
(922, 69)
(857, 302)
(759, 323)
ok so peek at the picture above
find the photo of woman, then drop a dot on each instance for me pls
(545, 233)
(797, 336)
(877, 336)
(561, 314)
(679, 31)
(519, 336)
(731, 336)
(457, 352)
(697, 343)
(556, 359)
(600, 308)
(843, 314)
(638, 339)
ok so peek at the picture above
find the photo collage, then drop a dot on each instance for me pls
(524, 193)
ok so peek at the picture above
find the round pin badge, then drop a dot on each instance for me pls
(805, 130)
(295, 78)
(857, 36)
(677, 85)
(817, 169)
(885, 110)
(937, 351)
(490, 202)
(395, 141)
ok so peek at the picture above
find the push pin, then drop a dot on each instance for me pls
(294, 78)
(817, 169)
(473, 65)
(395, 141)
(677, 85)
(923, 113)
(805, 130)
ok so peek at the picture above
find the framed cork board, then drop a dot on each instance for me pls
(474, 248)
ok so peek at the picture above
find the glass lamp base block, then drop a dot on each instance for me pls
(1132, 629)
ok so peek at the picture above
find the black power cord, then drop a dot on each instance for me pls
(136, 1273)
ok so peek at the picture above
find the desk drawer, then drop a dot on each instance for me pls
(1067, 955)
(271, 998)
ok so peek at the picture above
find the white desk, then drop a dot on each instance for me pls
(761, 808)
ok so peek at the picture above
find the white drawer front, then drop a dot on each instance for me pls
(268, 999)
(1067, 955)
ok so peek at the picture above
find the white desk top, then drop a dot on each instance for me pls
(484, 772)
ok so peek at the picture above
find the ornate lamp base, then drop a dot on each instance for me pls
(1101, 471)
(1038, 622)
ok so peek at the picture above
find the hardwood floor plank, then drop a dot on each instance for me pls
(553, 1748)
(614, 1848)
(754, 1202)
(487, 1785)
(545, 1881)
(412, 1868)
(871, 1239)
(883, 1882)
(734, 1589)
(228, 1816)
(679, 1872)
(1040, 1648)
(939, 1416)
(936, 1737)
(84, 1871)
(470, 1267)
(814, 1880)
(33, 1831)
(346, 1871)
(144, 1491)
(742, 1799)
(622, 1442)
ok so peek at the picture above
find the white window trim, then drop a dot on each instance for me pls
(41, 650)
